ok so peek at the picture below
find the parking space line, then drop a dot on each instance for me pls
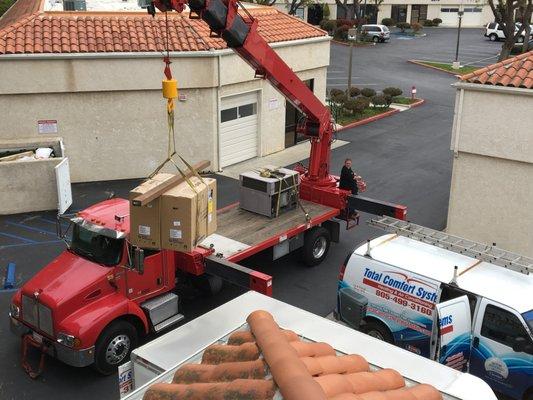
(31, 228)
(29, 244)
(9, 235)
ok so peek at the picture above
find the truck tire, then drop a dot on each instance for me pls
(114, 346)
(316, 246)
(493, 37)
(377, 330)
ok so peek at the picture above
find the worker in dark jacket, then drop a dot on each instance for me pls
(347, 181)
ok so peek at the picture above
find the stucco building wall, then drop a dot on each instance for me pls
(112, 116)
(491, 198)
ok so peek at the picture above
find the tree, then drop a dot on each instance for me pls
(293, 5)
(507, 13)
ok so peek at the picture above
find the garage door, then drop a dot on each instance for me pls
(238, 128)
(471, 16)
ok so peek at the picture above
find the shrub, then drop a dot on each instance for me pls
(354, 92)
(335, 92)
(428, 22)
(388, 98)
(392, 91)
(437, 21)
(368, 92)
(337, 95)
(387, 21)
(356, 106)
(325, 11)
(416, 27)
(341, 32)
(328, 25)
(350, 22)
(380, 101)
(403, 26)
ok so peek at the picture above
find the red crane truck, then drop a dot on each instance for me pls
(92, 303)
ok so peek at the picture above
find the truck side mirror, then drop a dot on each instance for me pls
(520, 344)
(138, 260)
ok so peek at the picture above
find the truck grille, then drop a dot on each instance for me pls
(37, 315)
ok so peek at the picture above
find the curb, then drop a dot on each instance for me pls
(421, 63)
(368, 120)
(417, 103)
(355, 45)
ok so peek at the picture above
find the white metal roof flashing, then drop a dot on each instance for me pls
(494, 282)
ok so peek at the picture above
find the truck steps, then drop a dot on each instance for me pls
(162, 311)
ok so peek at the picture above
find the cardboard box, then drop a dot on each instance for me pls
(145, 228)
(188, 214)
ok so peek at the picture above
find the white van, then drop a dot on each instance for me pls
(470, 311)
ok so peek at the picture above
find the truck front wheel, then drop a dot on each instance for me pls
(114, 346)
(316, 245)
(377, 330)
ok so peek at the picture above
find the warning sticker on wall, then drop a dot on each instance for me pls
(144, 230)
(175, 234)
(46, 126)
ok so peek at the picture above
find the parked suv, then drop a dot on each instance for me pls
(495, 32)
(376, 33)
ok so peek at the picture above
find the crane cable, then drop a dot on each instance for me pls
(170, 92)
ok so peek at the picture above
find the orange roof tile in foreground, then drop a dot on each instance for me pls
(300, 370)
(27, 29)
(513, 72)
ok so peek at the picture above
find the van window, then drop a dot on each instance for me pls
(492, 25)
(501, 326)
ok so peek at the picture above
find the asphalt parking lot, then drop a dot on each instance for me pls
(404, 159)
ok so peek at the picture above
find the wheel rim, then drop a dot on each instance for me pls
(492, 38)
(319, 247)
(117, 349)
(376, 39)
(376, 334)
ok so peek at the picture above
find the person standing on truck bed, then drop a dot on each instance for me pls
(348, 182)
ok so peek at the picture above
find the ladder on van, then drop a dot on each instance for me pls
(480, 251)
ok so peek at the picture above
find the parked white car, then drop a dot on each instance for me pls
(495, 32)
(375, 32)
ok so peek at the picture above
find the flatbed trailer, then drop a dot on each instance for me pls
(241, 234)
(157, 360)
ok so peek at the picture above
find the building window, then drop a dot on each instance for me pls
(245, 110)
(454, 10)
(399, 12)
(299, 13)
(419, 12)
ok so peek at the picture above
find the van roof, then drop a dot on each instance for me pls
(488, 280)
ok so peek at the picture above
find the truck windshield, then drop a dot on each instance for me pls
(96, 247)
(528, 317)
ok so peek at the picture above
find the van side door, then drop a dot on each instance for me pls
(497, 329)
(454, 332)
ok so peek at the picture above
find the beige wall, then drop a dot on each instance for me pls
(112, 116)
(491, 198)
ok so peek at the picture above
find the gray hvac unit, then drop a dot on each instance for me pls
(144, 3)
(74, 5)
(269, 191)
(352, 307)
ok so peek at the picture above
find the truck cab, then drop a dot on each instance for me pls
(465, 313)
(90, 305)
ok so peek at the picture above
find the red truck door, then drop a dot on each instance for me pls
(151, 281)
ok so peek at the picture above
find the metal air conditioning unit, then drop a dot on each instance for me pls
(269, 191)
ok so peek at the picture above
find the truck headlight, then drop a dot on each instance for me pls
(14, 310)
(68, 340)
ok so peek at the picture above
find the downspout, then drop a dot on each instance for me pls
(457, 122)
(219, 85)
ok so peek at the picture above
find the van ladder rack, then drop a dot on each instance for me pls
(480, 251)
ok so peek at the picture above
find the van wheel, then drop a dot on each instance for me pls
(520, 39)
(375, 39)
(493, 37)
(316, 246)
(377, 330)
(114, 346)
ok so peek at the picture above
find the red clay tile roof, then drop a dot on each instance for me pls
(26, 29)
(513, 72)
(256, 364)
